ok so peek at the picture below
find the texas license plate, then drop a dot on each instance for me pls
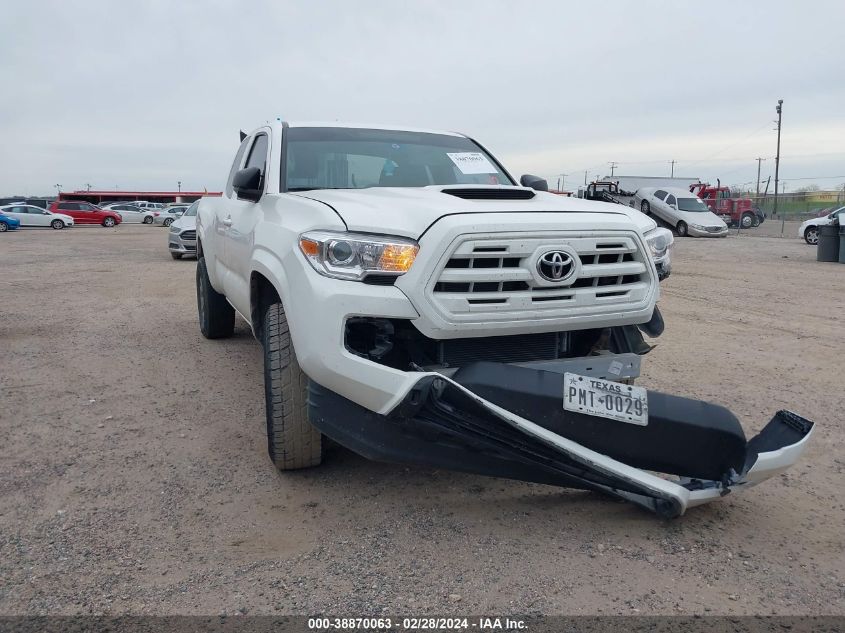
(605, 398)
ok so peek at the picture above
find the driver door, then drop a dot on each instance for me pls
(239, 225)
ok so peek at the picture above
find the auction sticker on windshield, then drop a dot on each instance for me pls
(472, 162)
(605, 398)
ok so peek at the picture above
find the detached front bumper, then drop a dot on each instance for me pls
(507, 421)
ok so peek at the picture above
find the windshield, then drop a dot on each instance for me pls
(691, 204)
(352, 158)
(192, 210)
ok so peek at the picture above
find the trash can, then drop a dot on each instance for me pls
(842, 243)
(828, 250)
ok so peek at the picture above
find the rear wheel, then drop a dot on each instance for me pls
(645, 207)
(757, 221)
(108, 223)
(747, 220)
(292, 441)
(216, 316)
(682, 229)
(57, 224)
(148, 219)
(3, 227)
(168, 222)
(811, 235)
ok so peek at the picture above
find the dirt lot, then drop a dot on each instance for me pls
(133, 473)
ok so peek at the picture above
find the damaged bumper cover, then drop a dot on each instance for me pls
(507, 421)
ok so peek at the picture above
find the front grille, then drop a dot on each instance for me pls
(188, 235)
(714, 229)
(493, 274)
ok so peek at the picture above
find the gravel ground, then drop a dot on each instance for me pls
(134, 479)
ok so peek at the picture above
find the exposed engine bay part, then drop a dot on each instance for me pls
(461, 423)
(398, 344)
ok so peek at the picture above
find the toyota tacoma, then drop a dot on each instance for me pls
(416, 304)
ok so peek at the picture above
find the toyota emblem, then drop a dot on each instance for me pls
(556, 266)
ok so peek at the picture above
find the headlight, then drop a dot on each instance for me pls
(354, 255)
(174, 229)
(698, 227)
(660, 243)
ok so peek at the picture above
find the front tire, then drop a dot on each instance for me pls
(108, 223)
(682, 229)
(216, 316)
(747, 221)
(645, 207)
(292, 441)
(811, 235)
(57, 224)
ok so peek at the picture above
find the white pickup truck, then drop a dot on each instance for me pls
(416, 304)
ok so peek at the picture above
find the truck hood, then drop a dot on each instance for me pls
(409, 211)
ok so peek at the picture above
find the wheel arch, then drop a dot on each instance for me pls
(267, 285)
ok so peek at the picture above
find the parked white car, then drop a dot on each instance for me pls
(809, 230)
(679, 208)
(33, 216)
(132, 214)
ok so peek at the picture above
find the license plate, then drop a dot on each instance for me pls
(605, 398)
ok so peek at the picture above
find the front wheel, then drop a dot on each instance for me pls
(216, 316)
(292, 441)
(682, 229)
(57, 224)
(747, 221)
(811, 235)
(108, 223)
(168, 222)
(645, 207)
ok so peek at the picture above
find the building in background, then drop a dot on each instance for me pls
(105, 197)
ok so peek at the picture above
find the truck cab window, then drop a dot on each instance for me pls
(235, 166)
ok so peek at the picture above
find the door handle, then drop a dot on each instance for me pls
(228, 221)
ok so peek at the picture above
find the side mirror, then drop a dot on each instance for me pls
(535, 182)
(247, 184)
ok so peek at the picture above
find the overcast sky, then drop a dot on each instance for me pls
(140, 95)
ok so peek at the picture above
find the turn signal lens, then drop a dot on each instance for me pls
(398, 258)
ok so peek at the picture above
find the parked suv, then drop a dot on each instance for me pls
(416, 305)
(86, 213)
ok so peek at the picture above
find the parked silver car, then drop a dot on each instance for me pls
(167, 216)
(182, 237)
(680, 209)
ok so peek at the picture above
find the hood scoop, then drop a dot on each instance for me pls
(492, 193)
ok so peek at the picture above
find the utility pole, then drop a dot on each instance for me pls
(673, 167)
(58, 188)
(779, 110)
(613, 165)
(562, 182)
(88, 186)
(585, 177)
(179, 185)
(759, 160)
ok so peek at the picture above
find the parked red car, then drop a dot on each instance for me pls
(86, 213)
